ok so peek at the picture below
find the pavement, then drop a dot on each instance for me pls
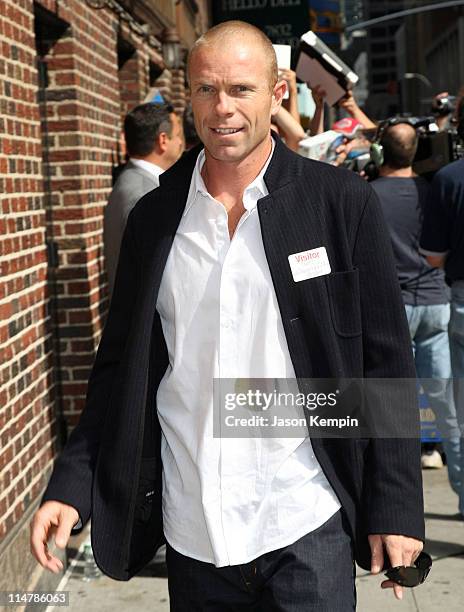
(443, 589)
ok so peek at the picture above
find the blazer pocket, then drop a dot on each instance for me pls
(344, 302)
(146, 491)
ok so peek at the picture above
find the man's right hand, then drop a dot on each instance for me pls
(56, 519)
(318, 93)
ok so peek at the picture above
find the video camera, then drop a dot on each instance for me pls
(435, 149)
(441, 107)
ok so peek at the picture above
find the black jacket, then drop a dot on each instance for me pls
(350, 323)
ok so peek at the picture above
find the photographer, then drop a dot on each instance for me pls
(442, 241)
(403, 195)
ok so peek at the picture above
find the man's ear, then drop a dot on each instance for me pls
(277, 95)
(162, 142)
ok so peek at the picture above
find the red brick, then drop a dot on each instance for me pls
(83, 123)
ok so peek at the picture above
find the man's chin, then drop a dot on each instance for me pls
(227, 153)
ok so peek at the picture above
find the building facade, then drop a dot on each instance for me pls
(432, 48)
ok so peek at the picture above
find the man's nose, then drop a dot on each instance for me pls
(224, 104)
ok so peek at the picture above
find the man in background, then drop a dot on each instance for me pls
(154, 141)
(190, 133)
(403, 195)
(442, 242)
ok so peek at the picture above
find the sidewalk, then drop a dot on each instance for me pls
(444, 588)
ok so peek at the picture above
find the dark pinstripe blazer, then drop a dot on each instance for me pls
(350, 323)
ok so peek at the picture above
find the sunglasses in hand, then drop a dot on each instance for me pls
(411, 575)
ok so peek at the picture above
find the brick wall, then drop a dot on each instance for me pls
(178, 90)
(163, 83)
(80, 114)
(68, 75)
(60, 120)
(129, 83)
(27, 389)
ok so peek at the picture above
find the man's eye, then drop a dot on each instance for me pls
(205, 89)
(242, 88)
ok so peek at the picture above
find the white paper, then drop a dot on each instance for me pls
(317, 147)
(283, 54)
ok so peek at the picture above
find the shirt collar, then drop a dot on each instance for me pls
(151, 168)
(252, 193)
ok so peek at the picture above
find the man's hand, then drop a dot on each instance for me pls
(342, 152)
(289, 76)
(318, 93)
(348, 102)
(401, 550)
(52, 519)
(436, 261)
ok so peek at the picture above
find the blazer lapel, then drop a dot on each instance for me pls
(290, 223)
(283, 222)
(163, 218)
(285, 228)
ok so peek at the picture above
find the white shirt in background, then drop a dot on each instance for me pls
(153, 169)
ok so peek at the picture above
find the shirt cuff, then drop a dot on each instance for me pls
(432, 253)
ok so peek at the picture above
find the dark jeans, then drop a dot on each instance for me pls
(317, 573)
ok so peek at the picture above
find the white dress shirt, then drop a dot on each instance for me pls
(227, 501)
(150, 167)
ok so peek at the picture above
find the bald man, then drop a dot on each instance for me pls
(248, 262)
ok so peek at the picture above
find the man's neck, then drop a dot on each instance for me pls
(226, 181)
(387, 171)
(154, 159)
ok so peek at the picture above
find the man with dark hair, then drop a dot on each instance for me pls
(402, 195)
(154, 141)
(190, 133)
(442, 242)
